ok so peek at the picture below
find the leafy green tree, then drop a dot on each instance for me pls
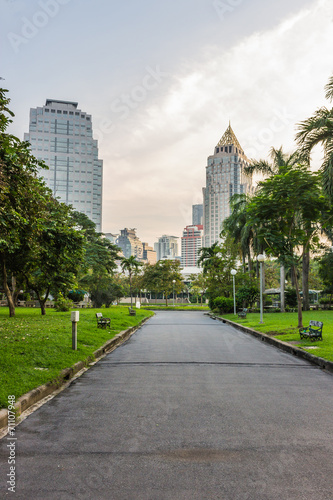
(217, 262)
(96, 274)
(281, 160)
(326, 273)
(247, 290)
(23, 201)
(159, 277)
(199, 285)
(56, 255)
(287, 211)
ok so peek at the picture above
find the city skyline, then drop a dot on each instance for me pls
(161, 102)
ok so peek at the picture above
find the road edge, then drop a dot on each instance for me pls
(283, 346)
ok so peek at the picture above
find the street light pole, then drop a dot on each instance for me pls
(261, 259)
(233, 273)
(173, 292)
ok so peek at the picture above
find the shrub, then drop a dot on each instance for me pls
(62, 304)
(224, 305)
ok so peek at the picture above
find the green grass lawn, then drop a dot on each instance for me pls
(34, 348)
(283, 326)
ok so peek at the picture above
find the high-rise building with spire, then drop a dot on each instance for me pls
(224, 177)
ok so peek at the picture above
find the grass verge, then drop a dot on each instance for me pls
(283, 326)
(34, 349)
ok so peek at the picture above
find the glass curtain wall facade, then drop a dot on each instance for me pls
(61, 135)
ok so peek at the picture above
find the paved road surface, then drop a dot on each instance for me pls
(188, 408)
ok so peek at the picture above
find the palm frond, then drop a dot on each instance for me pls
(329, 89)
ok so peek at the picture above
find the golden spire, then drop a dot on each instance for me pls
(229, 138)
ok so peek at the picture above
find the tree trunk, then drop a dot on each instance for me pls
(299, 300)
(249, 262)
(7, 289)
(305, 279)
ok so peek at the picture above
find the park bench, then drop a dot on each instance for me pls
(313, 331)
(131, 311)
(101, 321)
(242, 314)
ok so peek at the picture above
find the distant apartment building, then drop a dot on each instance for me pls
(149, 254)
(224, 177)
(191, 242)
(166, 247)
(197, 215)
(111, 237)
(130, 244)
(61, 135)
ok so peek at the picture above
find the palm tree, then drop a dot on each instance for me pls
(131, 266)
(318, 129)
(279, 161)
(236, 225)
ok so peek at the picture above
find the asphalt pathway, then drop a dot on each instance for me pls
(188, 408)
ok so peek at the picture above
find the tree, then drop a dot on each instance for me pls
(131, 266)
(236, 226)
(23, 201)
(318, 129)
(56, 255)
(326, 272)
(96, 274)
(280, 160)
(286, 211)
(199, 284)
(217, 262)
(159, 277)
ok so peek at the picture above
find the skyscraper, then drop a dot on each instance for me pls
(197, 214)
(224, 177)
(191, 242)
(166, 247)
(61, 135)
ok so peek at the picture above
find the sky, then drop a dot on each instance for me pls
(161, 80)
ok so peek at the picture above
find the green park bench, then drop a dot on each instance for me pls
(313, 331)
(101, 321)
(132, 312)
(243, 313)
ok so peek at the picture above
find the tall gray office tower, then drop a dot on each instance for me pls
(61, 135)
(197, 214)
(224, 177)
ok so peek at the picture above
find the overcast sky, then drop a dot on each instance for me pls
(162, 79)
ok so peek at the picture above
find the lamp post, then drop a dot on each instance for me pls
(173, 292)
(233, 273)
(261, 259)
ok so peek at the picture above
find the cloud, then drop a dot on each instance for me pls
(264, 84)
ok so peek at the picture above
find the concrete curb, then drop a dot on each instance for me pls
(283, 346)
(41, 392)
